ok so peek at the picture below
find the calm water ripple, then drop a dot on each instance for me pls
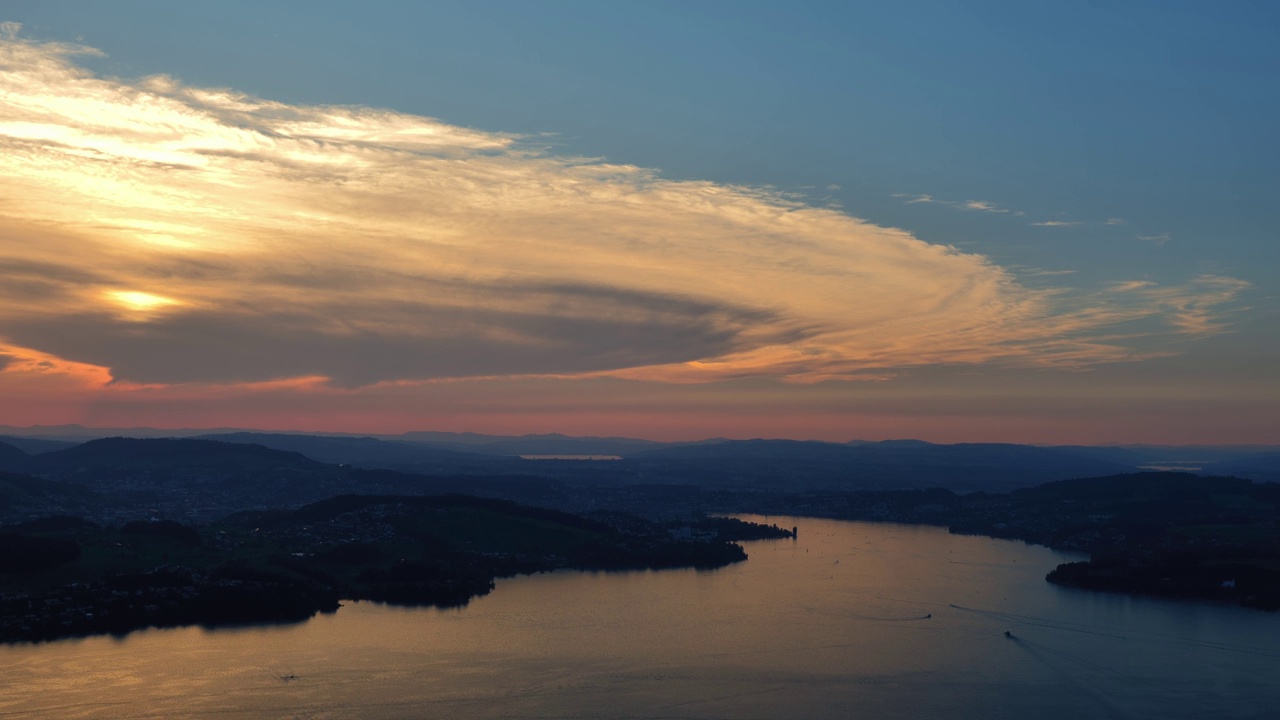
(851, 620)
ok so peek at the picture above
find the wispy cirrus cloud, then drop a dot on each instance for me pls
(1026, 271)
(153, 234)
(983, 206)
(1157, 238)
(975, 205)
(1194, 312)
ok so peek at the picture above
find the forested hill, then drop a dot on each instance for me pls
(72, 577)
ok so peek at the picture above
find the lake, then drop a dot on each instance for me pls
(850, 620)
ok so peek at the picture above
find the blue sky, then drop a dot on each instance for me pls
(1078, 147)
(1158, 113)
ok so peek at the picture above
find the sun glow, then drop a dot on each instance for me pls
(141, 301)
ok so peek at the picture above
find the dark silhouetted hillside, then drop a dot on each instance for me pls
(285, 565)
(193, 478)
(11, 458)
(110, 455)
(35, 446)
(1111, 453)
(26, 496)
(1263, 467)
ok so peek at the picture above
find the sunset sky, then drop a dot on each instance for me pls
(987, 221)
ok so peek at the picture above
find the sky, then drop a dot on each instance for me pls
(979, 221)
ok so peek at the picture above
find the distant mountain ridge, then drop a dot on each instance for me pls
(204, 479)
(35, 446)
(364, 451)
(774, 464)
(1262, 467)
(464, 442)
(216, 472)
(540, 444)
(893, 464)
(49, 437)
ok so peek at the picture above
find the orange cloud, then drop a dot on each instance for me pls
(190, 236)
(33, 366)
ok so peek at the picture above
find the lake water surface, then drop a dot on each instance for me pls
(851, 620)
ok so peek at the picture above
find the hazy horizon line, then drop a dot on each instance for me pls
(188, 431)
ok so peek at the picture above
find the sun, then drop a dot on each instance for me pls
(138, 301)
